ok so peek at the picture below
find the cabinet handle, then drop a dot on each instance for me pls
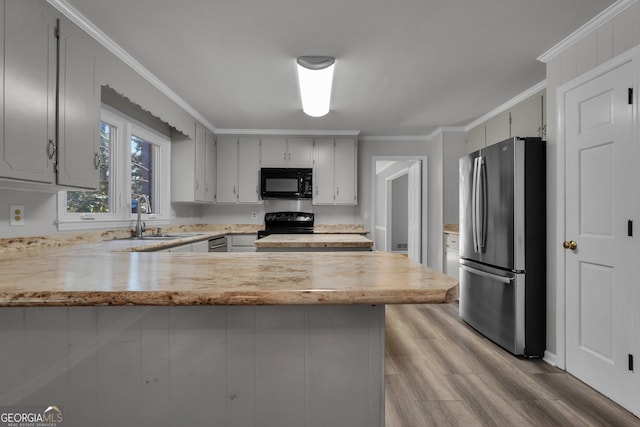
(257, 191)
(96, 160)
(197, 185)
(316, 190)
(51, 149)
(337, 191)
(284, 156)
(234, 189)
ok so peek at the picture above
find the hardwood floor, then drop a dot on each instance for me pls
(441, 372)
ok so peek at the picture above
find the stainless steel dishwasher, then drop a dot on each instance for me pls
(218, 244)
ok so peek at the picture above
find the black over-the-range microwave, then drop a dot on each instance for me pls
(286, 183)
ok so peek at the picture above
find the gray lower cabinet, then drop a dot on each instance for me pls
(452, 255)
(242, 242)
(285, 366)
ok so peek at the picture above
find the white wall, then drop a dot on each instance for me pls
(609, 40)
(39, 213)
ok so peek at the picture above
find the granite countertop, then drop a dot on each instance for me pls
(89, 278)
(451, 228)
(63, 240)
(314, 241)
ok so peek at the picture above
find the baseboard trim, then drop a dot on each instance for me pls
(550, 358)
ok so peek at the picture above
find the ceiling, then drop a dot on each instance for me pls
(403, 67)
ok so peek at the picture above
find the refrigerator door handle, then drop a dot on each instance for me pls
(474, 205)
(482, 209)
(507, 280)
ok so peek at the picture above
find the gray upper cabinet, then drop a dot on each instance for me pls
(193, 166)
(274, 152)
(32, 61)
(526, 117)
(300, 152)
(335, 171)
(227, 169)
(498, 128)
(78, 110)
(249, 169)
(27, 142)
(286, 152)
(476, 138)
(523, 119)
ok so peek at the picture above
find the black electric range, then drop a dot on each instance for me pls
(287, 223)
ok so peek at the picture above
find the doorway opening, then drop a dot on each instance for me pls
(398, 205)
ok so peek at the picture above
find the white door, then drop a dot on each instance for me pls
(600, 199)
(415, 212)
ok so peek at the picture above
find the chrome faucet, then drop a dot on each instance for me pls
(140, 226)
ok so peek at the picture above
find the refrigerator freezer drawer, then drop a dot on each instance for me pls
(493, 302)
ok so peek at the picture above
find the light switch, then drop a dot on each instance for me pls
(16, 215)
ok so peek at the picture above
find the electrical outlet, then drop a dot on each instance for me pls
(254, 215)
(365, 216)
(16, 215)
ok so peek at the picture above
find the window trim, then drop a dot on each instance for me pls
(121, 217)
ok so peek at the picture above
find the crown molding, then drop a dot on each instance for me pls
(591, 25)
(392, 138)
(444, 129)
(507, 105)
(76, 17)
(287, 132)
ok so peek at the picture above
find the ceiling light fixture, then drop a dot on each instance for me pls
(315, 75)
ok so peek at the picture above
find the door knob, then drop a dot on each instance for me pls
(570, 245)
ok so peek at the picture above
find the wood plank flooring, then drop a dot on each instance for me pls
(441, 372)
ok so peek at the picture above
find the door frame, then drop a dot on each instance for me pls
(559, 253)
(424, 197)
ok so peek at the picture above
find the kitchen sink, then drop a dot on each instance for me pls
(167, 236)
(156, 237)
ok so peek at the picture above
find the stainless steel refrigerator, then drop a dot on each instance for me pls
(503, 244)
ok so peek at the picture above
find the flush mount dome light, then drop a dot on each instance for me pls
(315, 75)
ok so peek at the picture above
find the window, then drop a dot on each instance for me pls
(134, 162)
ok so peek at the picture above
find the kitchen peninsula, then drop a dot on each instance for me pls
(313, 242)
(203, 339)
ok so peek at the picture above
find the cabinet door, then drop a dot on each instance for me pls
(274, 152)
(210, 168)
(526, 117)
(183, 248)
(345, 171)
(227, 169)
(249, 170)
(78, 110)
(200, 247)
(200, 163)
(300, 152)
(28, 119)
(476, 138)
(323, 193)
(497, 128)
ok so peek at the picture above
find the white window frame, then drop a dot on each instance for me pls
(121, 215)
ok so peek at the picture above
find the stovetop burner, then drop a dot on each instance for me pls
(287, 223)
